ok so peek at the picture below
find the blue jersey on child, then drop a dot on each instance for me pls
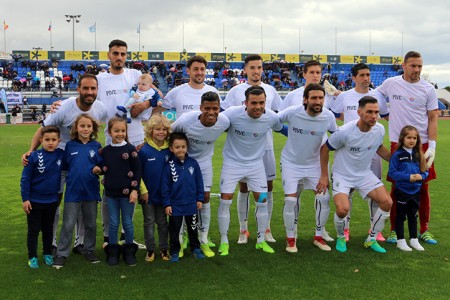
(42, 176)
(81, 183)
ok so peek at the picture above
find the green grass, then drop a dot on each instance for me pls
(245, 273)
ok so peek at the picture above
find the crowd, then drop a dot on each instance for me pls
(167, 168)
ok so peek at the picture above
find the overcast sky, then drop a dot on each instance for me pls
(291, 26)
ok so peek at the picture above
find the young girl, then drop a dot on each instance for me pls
(154, 155)
(408, 168)
(82, 188)
(122, 169)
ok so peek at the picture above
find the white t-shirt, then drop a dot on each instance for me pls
(306, 135)
(246, 138)
(409, 105)
(236, 97)
(347, 103)
(295, 97)
(184, 98)
(114, 90)
(355, 149)
(66, 114)
(201, 138)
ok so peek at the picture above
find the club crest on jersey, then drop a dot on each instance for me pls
(191, 170)
(92, 153)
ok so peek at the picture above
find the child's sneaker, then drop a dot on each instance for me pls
(59, 262)
(198, 254)
(174, 257)
(401, 244)
(210, 244)
(164, 254)
(291, 247)
(150, 256)
(224, 249)
(347, 234)
(392, 238)
(321, 244)
(48, 260)
(373, 244)
(341, 244)
(33, 263)
(416, 245)
(428, 238)
(326, 236)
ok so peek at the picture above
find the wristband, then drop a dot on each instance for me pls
(432, 144)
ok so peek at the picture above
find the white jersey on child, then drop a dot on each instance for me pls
(236, 97)
(114, 90)
(246, 138)
(201, 138)
(66, 114)
(355, 149)
(184, 98)
(347, 103)
(306, 135)
(409, 105)
(295, 97)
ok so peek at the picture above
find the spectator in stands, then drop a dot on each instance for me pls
(2, 107)
(329, 68)
(33, 114)
(16, 110)
(44, 110)
(25, 102)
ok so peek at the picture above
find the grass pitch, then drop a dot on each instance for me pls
(245, 273)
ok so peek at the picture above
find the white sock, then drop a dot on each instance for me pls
(373, 206)
(55, 225)
(377, 225)
(347, 218)
(243, 206)
(289, 216)
(339, 223)
(262, 220)
(322, 206)
(180, 234)
(205, 220)
(269, 207)
(223, 216)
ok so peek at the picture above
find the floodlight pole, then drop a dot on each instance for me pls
(73, 19)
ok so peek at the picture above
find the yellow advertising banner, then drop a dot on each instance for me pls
(266, 57)
(206, 56)
(347, 59)
(38, 55)
(234, 57)
(292, 58)
(103, 55)
(74, 55)
(373, 59)
(172, 56)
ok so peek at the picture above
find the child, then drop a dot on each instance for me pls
(82, 188)
(144, 92)
(122, 169)
(39, 188)
(154, 155)
(182, 191)
(408, 168)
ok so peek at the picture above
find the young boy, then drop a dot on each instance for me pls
(145, 92)
(182, 192)
(39, 188)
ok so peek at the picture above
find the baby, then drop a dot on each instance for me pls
(144, 92)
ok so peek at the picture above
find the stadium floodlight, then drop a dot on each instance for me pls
(74, 19)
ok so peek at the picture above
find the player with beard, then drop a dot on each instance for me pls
(253, 67)
(355, 144)
(308, 125)
(63, 118)
(345, 108)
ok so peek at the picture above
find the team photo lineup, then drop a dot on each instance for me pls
(167, 168)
